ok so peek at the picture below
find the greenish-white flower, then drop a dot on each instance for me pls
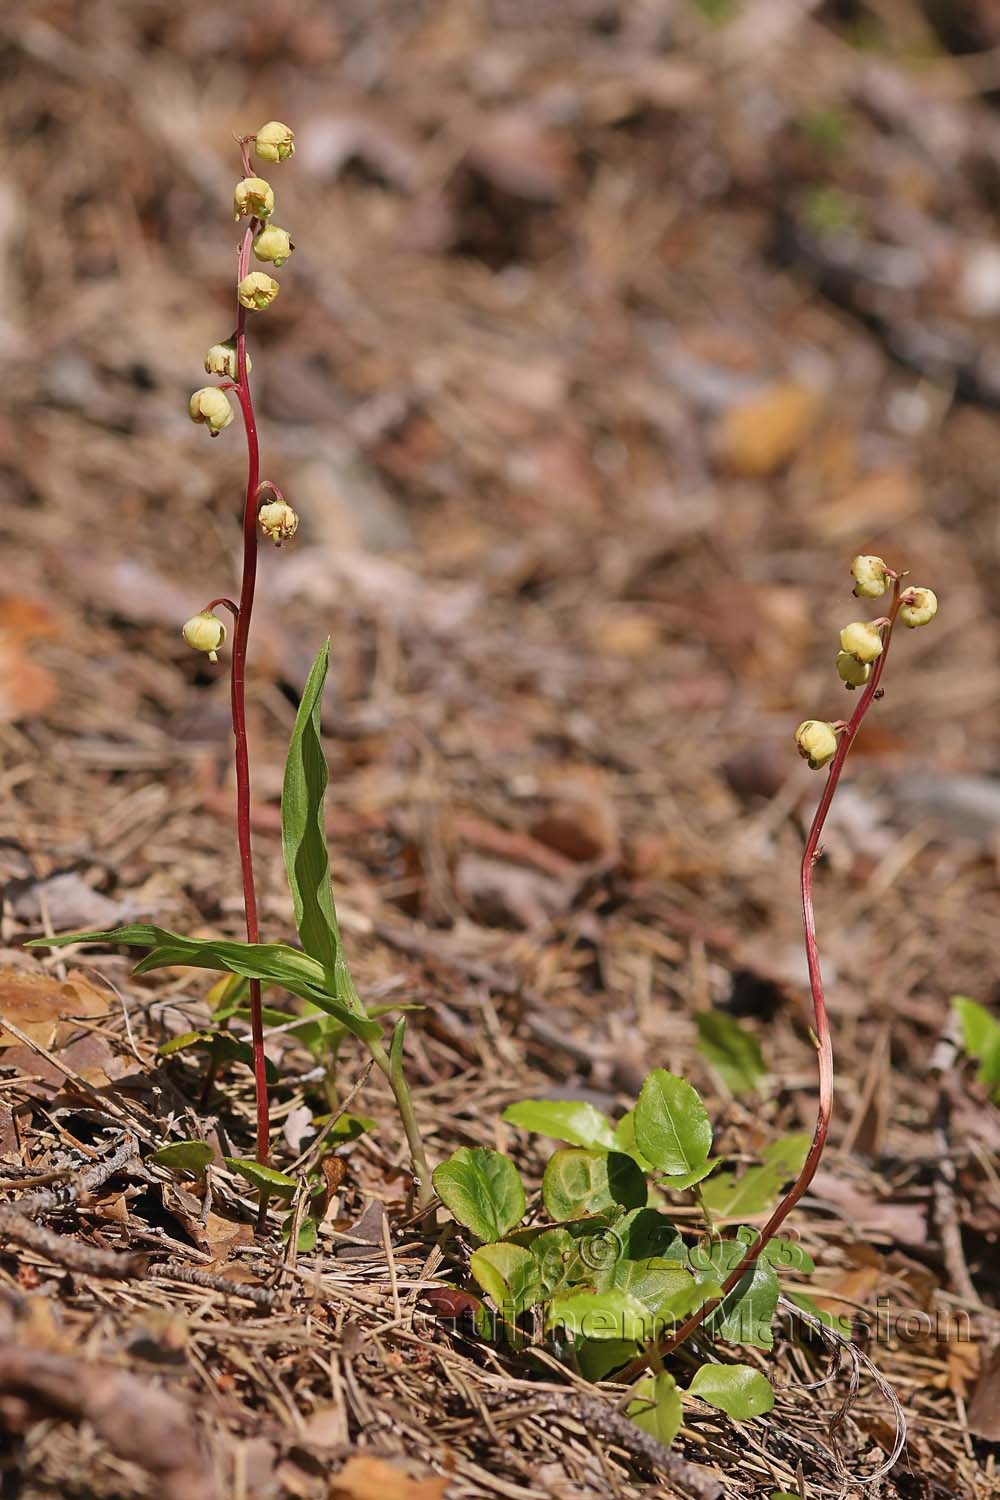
(253, 197)
(817, 742)
(205, 632)
(211, 407)
(870, 577)
(862, 640)
(852, 672)
(221, 360)
(278, 520)
(274, 142)
(257, 290)
(274, 244)
(917, 607)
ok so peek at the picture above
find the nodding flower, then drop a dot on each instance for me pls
(817, 742)
(274, 142)
(210, 407)
(205, 632)
(862, 640)
(917, 607)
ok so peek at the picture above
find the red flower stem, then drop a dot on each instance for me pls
(824, 1046)
(241, 635)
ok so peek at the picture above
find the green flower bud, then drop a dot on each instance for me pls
(205, 632)
(211, 407)
(273, 244)
(817, 742)
(851, 671)
(278, 521)
(257, 290)
(253, 196)
(861, 640)
(221, 360)
(274, 142)
(917, 607)
(870, 577)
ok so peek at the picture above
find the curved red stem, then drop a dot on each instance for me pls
(241, 635)
(824, 1046)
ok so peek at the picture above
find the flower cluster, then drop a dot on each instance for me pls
(253, 200)
(862, 643)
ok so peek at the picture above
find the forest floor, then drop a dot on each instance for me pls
(613, 331)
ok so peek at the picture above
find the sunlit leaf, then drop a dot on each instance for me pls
(672, 1128)
(265, 1179)
(739, 1390)
(509, 1274)
(657, 1407)
(483, 1191)
(745, 1316)
(601, 1315)
(981, 1040)
(757, 1191)
(579, 1182)
(571, 1120)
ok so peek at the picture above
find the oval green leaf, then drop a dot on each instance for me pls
(185, 1156)
(571, 1120)
(601, 1315)
(483, 1191)
(265, 1179)
(738, 1390)
(657, 1407)
(509, 1274)
(672, 1128)
(581, 1182)
(733, 1052)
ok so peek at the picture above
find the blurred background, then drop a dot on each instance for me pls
(613, 331)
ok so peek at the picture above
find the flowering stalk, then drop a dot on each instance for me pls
(254, 199)
(916, 607)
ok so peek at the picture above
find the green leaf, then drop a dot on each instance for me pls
(303, 842)
(560, 1265)
(303, 825)
(657, 1407)
(185, 1156)
(784, 1254)
(759, 1188)
(598, 1358)
(601, 1315)
(307, 1236)
(738, 1390)
(733, 1051)
(265, 1179)
(578, 1182)
(624, 1140)
(570, 1120)
(347, 1128)
(689, 1179)
(271, 963)
(184, 1043)
(981, 1040)
(645, 1232)
(671, 1124)
(509, 1274)
(745, 1316)
(483, 1191)
(656, 1283)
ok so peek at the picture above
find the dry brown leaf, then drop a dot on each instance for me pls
(209, 1231)
(881, 499)
(364, 1478)
(44, 1007)
(984, 1407)
(26, 689)
(581, 820)
(963, 1367)
(761, 433)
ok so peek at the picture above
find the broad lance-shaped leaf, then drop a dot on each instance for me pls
(272, 963)
(672, 1128)
(483, 1191)
(303, 840)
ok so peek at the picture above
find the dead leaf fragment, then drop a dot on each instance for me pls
(44, 1007)
(761, 433)
(984, 1408)
(364, 1478)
